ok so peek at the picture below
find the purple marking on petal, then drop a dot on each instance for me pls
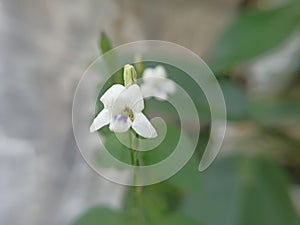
(121, 118)
(159, 89)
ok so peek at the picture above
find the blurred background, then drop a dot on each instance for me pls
(253, 46)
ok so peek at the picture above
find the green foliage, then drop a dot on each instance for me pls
(276, 111)
(104, 43)
(177, 219)
(115, 148)
(158, 205)
(235, 190)
(239, 190)
(253, 33)
(121, 152)
(105, 46)
(100, 215)
(188, 179)
(237, 102)
(189, 85)
(155, 202)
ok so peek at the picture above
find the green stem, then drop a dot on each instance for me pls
(137, 190)
(132, 157)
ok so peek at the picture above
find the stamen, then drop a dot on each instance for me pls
(128, 112)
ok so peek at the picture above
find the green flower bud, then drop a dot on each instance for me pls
(129, 75)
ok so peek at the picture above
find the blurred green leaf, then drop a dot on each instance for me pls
(157, 154)
(254, 32)
(157, 205)
(104, 43)
(166, 147)
(111, 59)
(100, 215)
(189, 85)
(276, 111)
(189, 177)
(115, 148)
(242, 191)
(177, 219)
(236, 100)
(154, 203)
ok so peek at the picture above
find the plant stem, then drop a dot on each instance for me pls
(136, 189)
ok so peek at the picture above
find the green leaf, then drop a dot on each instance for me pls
(253, 33)
(177, 219)
(166, 147)
(239, 190)
(276, 111)
(115, 148)
(189, 178)
(157, 204)
(100, 215)
(104, 43)
(190, 86)
(154, 202)
(157, 154)
(236, 100)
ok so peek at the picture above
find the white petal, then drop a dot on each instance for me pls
(131, 97)
(101, 120)
(147, 90)
(155, 76)
(148, 72)
(160, 95)
(120, 124)
(142, 126)
(169, 86)
(157, 91)
(110, 96)
(157, 72)
(160, 71)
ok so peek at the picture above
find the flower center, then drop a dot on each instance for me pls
(128, 112)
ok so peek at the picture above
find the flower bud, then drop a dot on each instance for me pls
(129, 75)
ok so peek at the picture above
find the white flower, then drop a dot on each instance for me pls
(122, 110)
(155, 83)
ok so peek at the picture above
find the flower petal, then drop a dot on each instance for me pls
(110, 96)
(120, 124)
(101, 120)
(160, 94)
(148, 72)
(154, 91)
(169, 86)
(157, 72)
(147, 90)
(160, 71)
(142, 126)
(131, 97)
